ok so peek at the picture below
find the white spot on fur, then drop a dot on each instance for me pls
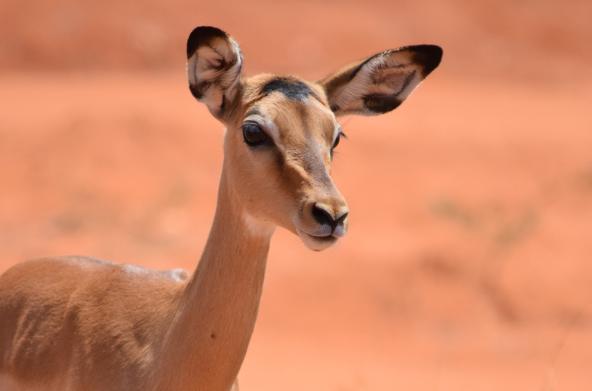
(134, 269)
(178, 275)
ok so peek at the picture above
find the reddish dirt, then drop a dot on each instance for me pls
(468, 262)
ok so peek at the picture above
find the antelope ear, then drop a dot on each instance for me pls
(214, 64)
(381, 82)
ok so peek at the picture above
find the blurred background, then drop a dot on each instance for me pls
(468, 265)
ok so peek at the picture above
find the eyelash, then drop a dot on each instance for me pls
(340, 135)
(336, 142)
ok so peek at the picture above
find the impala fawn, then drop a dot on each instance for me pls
(76, 323)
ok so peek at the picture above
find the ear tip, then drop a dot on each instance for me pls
(429, 56)
(202, 34)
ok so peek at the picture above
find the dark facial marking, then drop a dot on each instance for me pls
(279, 159)
(291, 88)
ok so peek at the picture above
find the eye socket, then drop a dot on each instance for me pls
(254, 135)
(336, 142)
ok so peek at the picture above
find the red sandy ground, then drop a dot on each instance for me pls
(467, 265)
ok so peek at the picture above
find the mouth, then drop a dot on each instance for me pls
(323, 239)
(317, 242)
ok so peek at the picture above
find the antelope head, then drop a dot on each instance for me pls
(281, 131)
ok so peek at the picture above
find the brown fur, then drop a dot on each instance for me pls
(76, 323)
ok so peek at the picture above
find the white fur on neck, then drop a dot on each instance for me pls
(257, 227)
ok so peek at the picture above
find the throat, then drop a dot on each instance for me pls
(211, 330)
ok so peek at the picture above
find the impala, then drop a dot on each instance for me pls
(77, 323)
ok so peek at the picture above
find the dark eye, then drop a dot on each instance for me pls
(254, 135)
(336, 142)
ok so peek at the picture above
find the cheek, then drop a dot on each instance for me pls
(267, 182)
(262, 186)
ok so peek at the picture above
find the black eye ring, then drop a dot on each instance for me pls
(253, 134)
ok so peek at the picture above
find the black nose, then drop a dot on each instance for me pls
(322, 216)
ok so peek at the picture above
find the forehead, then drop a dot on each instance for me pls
(292, 89)
(290, 103)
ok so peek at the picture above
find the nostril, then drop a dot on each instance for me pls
(339, 229)
(322, 216)
(341, 219)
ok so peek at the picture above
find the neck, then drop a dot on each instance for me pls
(208, 339)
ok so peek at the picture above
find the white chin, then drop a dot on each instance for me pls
(317, 244)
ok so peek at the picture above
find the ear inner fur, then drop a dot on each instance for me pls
(381, 82)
